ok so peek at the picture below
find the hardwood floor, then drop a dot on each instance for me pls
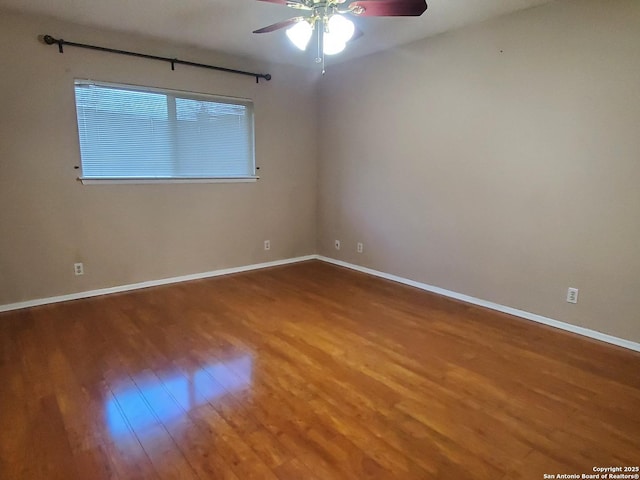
(308, 371)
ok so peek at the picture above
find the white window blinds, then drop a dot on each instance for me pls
(130, 132)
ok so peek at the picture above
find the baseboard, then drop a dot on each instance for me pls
(603, 337)
(151, 283)
(621, 342)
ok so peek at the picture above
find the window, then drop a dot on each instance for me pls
(147, 134)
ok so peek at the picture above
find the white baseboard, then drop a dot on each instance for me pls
(150, 283)
(621, 342)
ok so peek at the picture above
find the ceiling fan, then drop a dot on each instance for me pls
(334, 28)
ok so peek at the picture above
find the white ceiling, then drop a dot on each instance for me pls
(226, 25)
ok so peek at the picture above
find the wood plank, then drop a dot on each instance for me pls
(308, 371)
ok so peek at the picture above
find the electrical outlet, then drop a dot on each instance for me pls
(572, 295)
(267, 244)
(337, 244)
(78, 268)
(359, 247)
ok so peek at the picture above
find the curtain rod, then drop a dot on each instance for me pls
(49, 40)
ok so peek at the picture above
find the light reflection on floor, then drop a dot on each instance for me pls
(151, 399)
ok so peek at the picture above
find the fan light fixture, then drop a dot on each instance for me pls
(332, 44)
(337, 31)
(300, 34)
(334, 30)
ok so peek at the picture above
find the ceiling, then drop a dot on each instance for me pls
(226, 25)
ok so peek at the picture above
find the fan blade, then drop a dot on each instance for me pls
(279, 25)
(281, 2)
(289, 3)
(388, 8)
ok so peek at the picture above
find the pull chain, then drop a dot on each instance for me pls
(319, 59)
(322, 27)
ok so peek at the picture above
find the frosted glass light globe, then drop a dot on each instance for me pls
(341, 27)
(332, 44)
(300, 34)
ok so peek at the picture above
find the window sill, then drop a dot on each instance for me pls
(138, 181)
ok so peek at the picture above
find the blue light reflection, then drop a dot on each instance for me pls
(149, 399)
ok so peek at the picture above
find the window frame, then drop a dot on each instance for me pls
(90, 180)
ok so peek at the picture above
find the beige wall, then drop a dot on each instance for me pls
(132, 233)
(501, 161)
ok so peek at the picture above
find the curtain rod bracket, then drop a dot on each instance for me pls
(49, 40)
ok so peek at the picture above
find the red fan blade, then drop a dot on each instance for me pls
(279, 25)
(388, 8)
